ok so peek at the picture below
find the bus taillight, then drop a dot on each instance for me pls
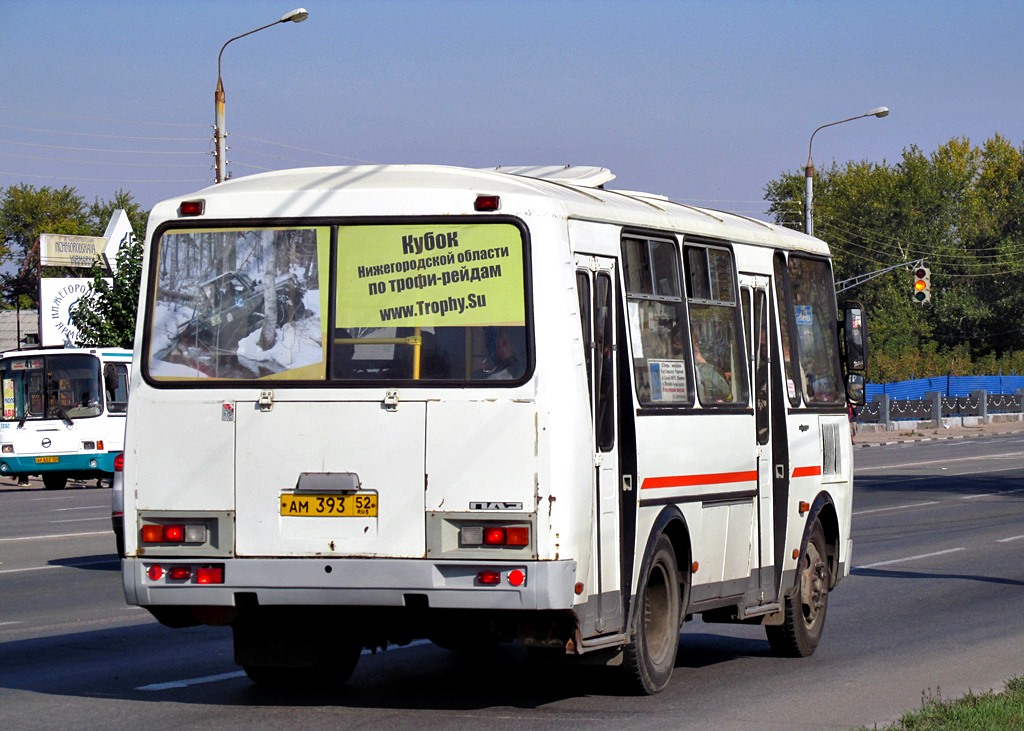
(175, 533)
(494, 535)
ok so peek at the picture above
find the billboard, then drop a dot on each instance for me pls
(64, 250)
(56, 297)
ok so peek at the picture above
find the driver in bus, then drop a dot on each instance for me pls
(507, 353)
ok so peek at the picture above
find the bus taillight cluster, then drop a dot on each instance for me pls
(174, 533)
(211, 574)
(494, 535)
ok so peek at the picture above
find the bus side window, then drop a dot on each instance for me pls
(716, 326)
(117, 399)
(814, 314)
(655, 320)
(782, 291)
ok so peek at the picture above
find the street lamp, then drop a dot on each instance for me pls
(809, 170)
(295, 16)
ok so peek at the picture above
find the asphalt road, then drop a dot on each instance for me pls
(932, 607)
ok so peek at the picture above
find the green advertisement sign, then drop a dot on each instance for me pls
(430, 275)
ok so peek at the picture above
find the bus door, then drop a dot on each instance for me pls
(595, 280)
(756, 321)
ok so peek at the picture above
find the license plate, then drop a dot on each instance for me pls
(356, 505)
(47, 460)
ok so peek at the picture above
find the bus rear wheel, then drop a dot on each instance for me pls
(54, 481)
(651, 654)
(804, 622)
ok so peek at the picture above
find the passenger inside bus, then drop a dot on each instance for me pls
(712, 384)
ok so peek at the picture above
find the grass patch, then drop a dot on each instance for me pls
(974, 712)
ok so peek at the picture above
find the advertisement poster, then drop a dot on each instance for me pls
(430, 275)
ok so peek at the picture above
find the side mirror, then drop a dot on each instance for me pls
(856, 337)
(855, 389)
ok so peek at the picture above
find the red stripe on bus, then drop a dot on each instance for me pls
(720, 478)
(812, 471)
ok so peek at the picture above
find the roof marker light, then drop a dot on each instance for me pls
(487, 203)
(192, 208)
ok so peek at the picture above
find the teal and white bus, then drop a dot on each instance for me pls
(64, 413)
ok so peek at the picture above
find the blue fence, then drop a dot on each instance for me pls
(948, 386)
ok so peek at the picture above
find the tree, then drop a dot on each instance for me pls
(105, 315)
(25, 213)
(961, 209)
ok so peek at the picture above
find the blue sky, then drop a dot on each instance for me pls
(702, 101)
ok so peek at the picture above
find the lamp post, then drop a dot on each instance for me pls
(809, 170)
(295, 16)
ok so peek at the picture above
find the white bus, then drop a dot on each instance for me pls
(64, 413)
(384, 403)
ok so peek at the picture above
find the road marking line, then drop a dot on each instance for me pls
(173, 684)
(895, 507)
(8, 624)
(193, 681)
(60, 535)
(79, 520)
(932, 463)
(910, 558)
(1007, 540)
(84, 507)
(994, 494)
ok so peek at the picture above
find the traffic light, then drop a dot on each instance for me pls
(922, 285)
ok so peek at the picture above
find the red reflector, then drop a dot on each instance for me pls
(494, 536)
(174, 534)
(179, 572)
(155, 572)
(191, 208)
(518, 536)
(99, 444)
(489, 578)
(487, 203)
(152, 534)
(118, 462)
(210, 575)
(516, 577)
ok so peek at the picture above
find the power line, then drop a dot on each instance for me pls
(98, 134)
(101, 149)
(120, 120)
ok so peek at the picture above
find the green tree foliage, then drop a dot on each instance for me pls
(27, 211)
(105, 315)
(961, 210)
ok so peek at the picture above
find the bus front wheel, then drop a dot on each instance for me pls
(804, 622)
(651, 654)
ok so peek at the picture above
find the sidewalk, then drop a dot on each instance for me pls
(869, 435)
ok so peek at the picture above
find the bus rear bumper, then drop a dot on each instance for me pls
(91, 464)
(365, 582)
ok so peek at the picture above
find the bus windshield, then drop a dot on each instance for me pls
(65, 386)
(442, 303)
